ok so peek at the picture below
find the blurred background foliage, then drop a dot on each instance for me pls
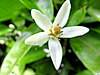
(81, 55)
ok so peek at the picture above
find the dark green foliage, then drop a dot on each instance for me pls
(81, 54)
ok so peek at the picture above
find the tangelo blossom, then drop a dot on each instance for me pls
(52, 32)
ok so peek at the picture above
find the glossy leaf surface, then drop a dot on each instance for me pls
(4, 29)
(45, 6)
(17, 51)
(9, 8)
(87, 50)
(34, 54)
(94, 10)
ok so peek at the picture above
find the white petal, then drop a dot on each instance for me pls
(69, 32)
(46, 50)
(41, 20)
(55, 52)
(63, 14)
(37, 39)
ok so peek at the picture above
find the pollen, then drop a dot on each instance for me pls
(54, 31)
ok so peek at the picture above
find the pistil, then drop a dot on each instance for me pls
(54, 31)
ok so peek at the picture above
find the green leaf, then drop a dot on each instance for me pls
(4, 29)
(67, 65)
(30, 4)
(45, 67)
(85, 72)
(34, 54)
(77, 12)
(18, 69)
(9, 7)
(13, 15)
(3, 38)
(34, 28)
(97, 29)
(26, 14)
(77, 4)
(15, 54)
(0, 70)
(77, 17)
(29, 71)
(18, 21)
(57, 2)
(9, 45)
(89, 19)
(87, 49)
(45, 6)
(94, 10)
(64, 71)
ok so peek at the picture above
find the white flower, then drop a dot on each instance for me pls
(47, 51)
(11, 26)
(52, 32)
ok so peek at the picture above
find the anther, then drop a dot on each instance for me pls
(51, 26)
(50, 29)
(51, 37)
(52, 33)
(61, 31)
(59, 35)
(49, 34)
(58, 24)
(58, 39)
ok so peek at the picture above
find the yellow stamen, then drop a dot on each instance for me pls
(50, 29)
(58, 24)
(51, 37)
(49, 34)
(59, 27)
(55, 30)
(61, 31)
(59, 39)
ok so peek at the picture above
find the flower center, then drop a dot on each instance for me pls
(54, 31)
